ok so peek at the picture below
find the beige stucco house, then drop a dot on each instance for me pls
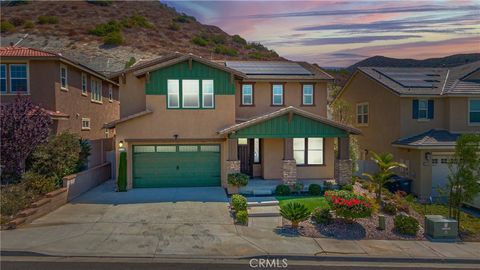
(416, 114)
(188, 121)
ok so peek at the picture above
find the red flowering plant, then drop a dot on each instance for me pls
(348, 205)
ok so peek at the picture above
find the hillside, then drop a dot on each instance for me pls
(107, 34)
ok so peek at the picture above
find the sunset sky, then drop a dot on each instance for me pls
(339, 33)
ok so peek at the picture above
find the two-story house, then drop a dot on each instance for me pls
(416, 114)
(187, 121)
(77, 98)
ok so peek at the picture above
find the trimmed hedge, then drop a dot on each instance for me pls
(282, 190)
(122, 172)
(239, 202)
(406, 225)
(314, 189)
(242, 217)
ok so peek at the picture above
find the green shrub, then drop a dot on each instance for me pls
(348, 205)
(13, 199)
(38, 184)
(174, 26)
(6, 26)
(256, 55)
(242, 217)
(114, 38)
(130, 62)
(298, 188)
(295, 212)
(220, 49)
(136, 21)
(219, 39)
(199, 41)
(104, 29)
(122, 172)
(390, 208)
(85, 149)
(17, 21)
(327, 185)
(282, 190)
(322, 215)
(239, 202)
(406, 225)
(238, 39)
(184, 18)
(238, 179)
(103, 3)
(46, 19)
(29, 25)
(314, 189)
(256, 46)
(57, 157)
(347, 187)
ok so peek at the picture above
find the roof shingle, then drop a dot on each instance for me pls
(23, 51)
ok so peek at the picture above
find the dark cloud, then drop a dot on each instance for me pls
(343, 12)
(340, 40)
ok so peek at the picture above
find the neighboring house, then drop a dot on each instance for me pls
(188, 121)
(77, 98)
(416, 114)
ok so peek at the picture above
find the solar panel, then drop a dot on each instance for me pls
(268, 68)
(411, 78)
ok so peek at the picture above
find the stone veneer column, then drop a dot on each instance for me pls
(343, 165)
(233, 164)
(289, 166)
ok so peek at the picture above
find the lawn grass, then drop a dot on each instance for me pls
(311, 202)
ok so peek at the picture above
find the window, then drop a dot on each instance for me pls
(247, 94)
(256, 150)
(362, 114)
(173, 89)
(422, 109)
(190, 93)
(110, 93)
(84, 84)
(18, 78)
(85, 123)
(242, 141)
(96, 89)
(277, 94)
(63, 77)
(3, 78)
(308, 151)
(188, 148)
(107, 133)
(474, 111)
(307, 94)
(207, 94)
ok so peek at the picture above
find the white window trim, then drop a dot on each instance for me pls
(110, 93)
(468, 112)
(304, 95)
(6, 90)
(306, 150)
(62, 66)
(422, 119)
(251, 95)
(281, 95)
(198, 95)
(89, 123)
(93, 90)
(10, 79)
(367, 114)
(212, 94)
(177, 94)
(85, 92)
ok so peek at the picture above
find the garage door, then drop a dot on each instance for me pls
(176, 166)
(440, 172)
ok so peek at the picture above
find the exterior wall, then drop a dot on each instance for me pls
(293, 97)
(458, 115)
(384, 113)
(410, 126)
(132, 95)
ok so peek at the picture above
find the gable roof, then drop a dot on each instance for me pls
(283, 111)
(433, 138)
(127, 118)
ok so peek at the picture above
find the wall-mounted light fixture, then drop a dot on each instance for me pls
(175, 136)
(428, 156)
(120, 146)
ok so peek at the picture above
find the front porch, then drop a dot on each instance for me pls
(262, 187)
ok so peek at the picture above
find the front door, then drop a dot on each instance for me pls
(245, 156)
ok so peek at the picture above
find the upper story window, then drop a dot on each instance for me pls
(307, 94)
(3, 78)
(208, 96)
(190, 93)
(96, 89)
(474, 111)
(277, 94)
(110, 93)
(85, 123)
(247, 94)
(173, 89)
(18, 78)
(84, 84)
(308, 151)
(422, 109)
(63, 77)
(362, 114)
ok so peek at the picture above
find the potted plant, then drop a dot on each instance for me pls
(236, 180)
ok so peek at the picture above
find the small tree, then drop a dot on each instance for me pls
(463, 180)
(23, 127)
(386, 165)
(122, 172)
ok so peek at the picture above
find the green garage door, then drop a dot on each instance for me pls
(176, 166)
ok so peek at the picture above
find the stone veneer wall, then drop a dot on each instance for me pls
(233, 166)
(289, 171)
(343, 171)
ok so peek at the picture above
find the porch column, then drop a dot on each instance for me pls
(233, 164)
(289, 168)
(343, 163)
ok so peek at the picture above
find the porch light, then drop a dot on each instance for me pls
(120, 144)
(428, 155)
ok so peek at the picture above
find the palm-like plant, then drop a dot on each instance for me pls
(295, 212)
(386, 164)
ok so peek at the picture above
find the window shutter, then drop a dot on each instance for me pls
(415, 109)
(430, 109)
